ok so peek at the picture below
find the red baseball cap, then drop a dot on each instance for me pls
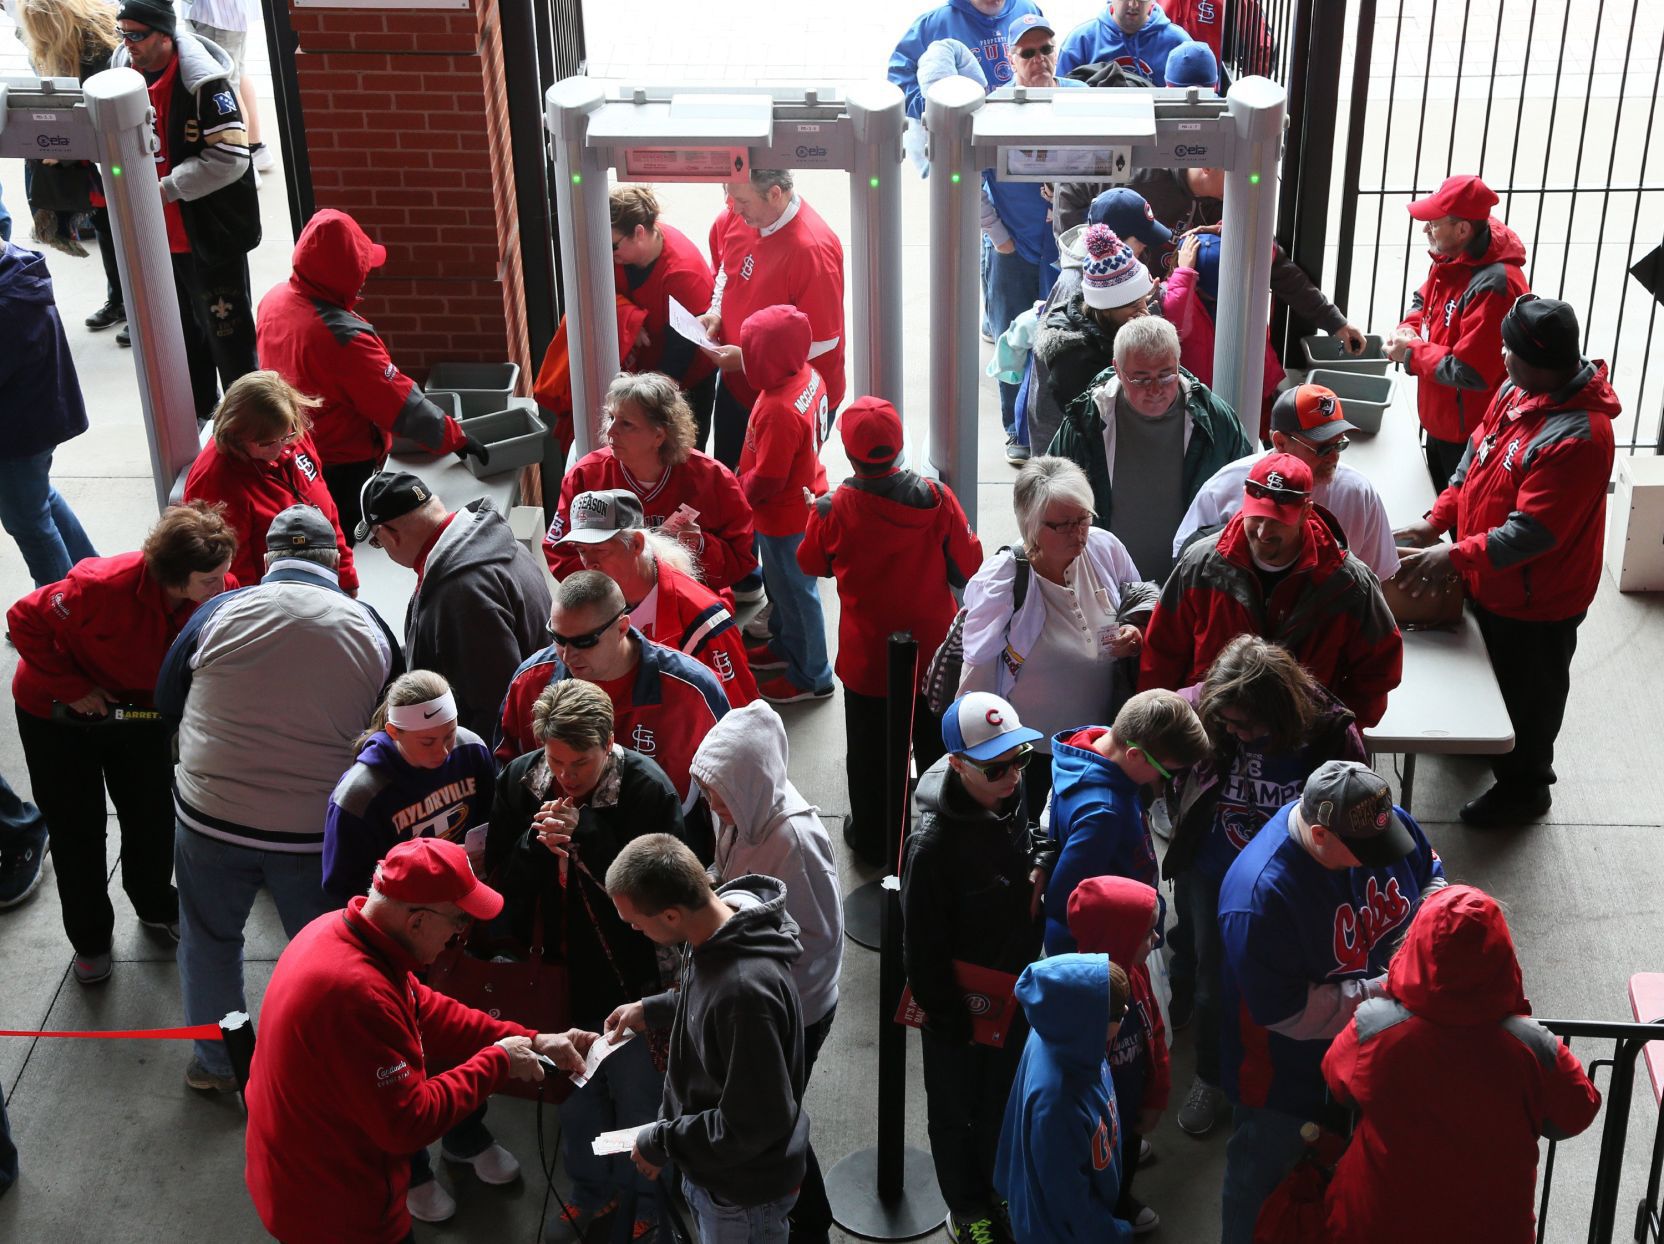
(871, 431)
(1312, 411)
(1278, 486)
(435, 870)
(1463, 196)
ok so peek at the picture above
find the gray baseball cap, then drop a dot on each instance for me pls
(601, 515)
(299, 529)
(1354, 803)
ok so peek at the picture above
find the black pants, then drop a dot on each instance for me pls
(345, 482)
(729, 418)
(69, 767)
(811, 1217)
(1131, 1143)
(107, 253)
(217, 316)
(1443, 457)
(865, 741)
(965, 1088)
(1533, 662)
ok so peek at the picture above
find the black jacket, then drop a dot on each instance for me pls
(608, 962)
(965, 895)
(732, 1116)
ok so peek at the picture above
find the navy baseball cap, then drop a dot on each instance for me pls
(1126, 212)
(1024, 24)
(1193, 64)
(981, 726)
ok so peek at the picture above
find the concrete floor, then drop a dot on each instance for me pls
(114, 1148)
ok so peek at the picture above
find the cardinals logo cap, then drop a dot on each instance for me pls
(981, 726)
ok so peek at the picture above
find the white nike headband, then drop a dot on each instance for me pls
(427, 715)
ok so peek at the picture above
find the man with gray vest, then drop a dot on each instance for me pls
(271, 684)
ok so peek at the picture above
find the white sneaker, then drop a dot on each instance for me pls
(429, 1202)
(264, 161)
(493, 1165)
(1145, 1220)
(1146, 1155)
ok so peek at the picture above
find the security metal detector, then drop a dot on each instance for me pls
(1093, 135)
(110, 122)
(719, 135)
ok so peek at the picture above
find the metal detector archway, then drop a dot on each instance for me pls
(1101, 135)
(696, 134)
(110, 122)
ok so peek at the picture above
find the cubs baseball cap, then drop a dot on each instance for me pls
(1311, 411)
(387, 495)
(1354, 803)
(435, 870)
(1278, 486)
(299, 529)
(599, 516)
(1024, 24)
(981, 726)
(871, 431)
(1463, 196)
(1193, 64)
(1129, 215)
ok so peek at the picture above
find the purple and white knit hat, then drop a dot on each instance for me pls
(1112, 275)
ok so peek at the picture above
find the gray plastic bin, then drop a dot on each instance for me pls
(1364, 398)
(447, 402)
(483, 388)
(1329, 354)
(515, 438)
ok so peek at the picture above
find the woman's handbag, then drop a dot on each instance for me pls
(533, 991)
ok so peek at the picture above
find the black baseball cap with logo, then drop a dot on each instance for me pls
(1354, 803)
(387, 495)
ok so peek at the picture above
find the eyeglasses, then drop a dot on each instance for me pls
(288, 438)
(1282, 496)
(1151, 760)
(1151, 382)
(1069, 525)
(1000, 768)
(1045, 49)
(1326, 450)
(136, 36)
(460, 921)
(374, 538)
(589, 638)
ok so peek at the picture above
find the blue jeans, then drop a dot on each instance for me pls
(626, 1090)
(718, 1222)
(21, 824)
(217, 885)
(1263, 1149)
(1014, 285)
(796, 626)
(46, 530)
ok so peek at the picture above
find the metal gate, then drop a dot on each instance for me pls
(1552, 104)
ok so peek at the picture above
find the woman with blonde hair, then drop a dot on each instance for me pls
(259, 463)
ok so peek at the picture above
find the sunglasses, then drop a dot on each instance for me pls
(1151, 760)
(1326, 450)
(136, 36)
(1000, 768)
(589, 638)
(1045, 49)
(1282, 496)
(1151, 382)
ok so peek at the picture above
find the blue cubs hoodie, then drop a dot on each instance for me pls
(961, 20)
(384, 800)
(1059, 1160)
(40, 396)
(1144, 52)
(1098, 824)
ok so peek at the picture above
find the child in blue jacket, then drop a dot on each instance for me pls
(1059, 1162)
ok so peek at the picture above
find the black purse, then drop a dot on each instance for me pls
(59, 187)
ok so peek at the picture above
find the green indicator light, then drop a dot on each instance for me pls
(955, 179)
(115, 170)
(1253, 179)
(873, 182)
(578, 179)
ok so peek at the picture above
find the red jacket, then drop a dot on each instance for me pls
(692, 619)
(1528, 503)
(347, 1082)
(701, 482)
(254, 493)
(800, 264)
(896, 546)
(680, 272)
(107, 625)
(1455, 1085)
(1328, 611)
(788, 421)
(306, 332)
(1458, 312)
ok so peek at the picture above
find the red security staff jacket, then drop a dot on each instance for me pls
(692, 619)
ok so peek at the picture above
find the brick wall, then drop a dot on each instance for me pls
(407, 127)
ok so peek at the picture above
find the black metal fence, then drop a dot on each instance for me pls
(1553, 104)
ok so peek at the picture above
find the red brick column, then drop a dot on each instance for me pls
(407, 128)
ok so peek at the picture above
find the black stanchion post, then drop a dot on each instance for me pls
(888, 1192)
(864, 905)
(237, 1030)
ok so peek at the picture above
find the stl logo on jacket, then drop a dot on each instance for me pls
(1358, 930)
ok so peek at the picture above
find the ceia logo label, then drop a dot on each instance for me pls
(806, 152)
(1189, 151)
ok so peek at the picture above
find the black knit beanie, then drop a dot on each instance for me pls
(157, 14)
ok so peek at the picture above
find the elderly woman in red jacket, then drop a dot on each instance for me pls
(89, 650)
(260, 462)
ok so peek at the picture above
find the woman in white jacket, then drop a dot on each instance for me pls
(1054, 626)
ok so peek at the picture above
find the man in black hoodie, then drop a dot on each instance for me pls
(732, 1117)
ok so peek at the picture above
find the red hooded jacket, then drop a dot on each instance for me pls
(1528, 502)
(1458, 313)
(1327, 610)
(1455, 1085)
(789, 419)
(254, 493)
(306, 332)
(1112, 916)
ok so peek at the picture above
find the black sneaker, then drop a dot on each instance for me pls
(1016, 453)
(124, 338)
(107, 316)
(1507, 807)
(20, 871)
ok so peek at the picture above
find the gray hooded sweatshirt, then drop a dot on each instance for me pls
(743, 761)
